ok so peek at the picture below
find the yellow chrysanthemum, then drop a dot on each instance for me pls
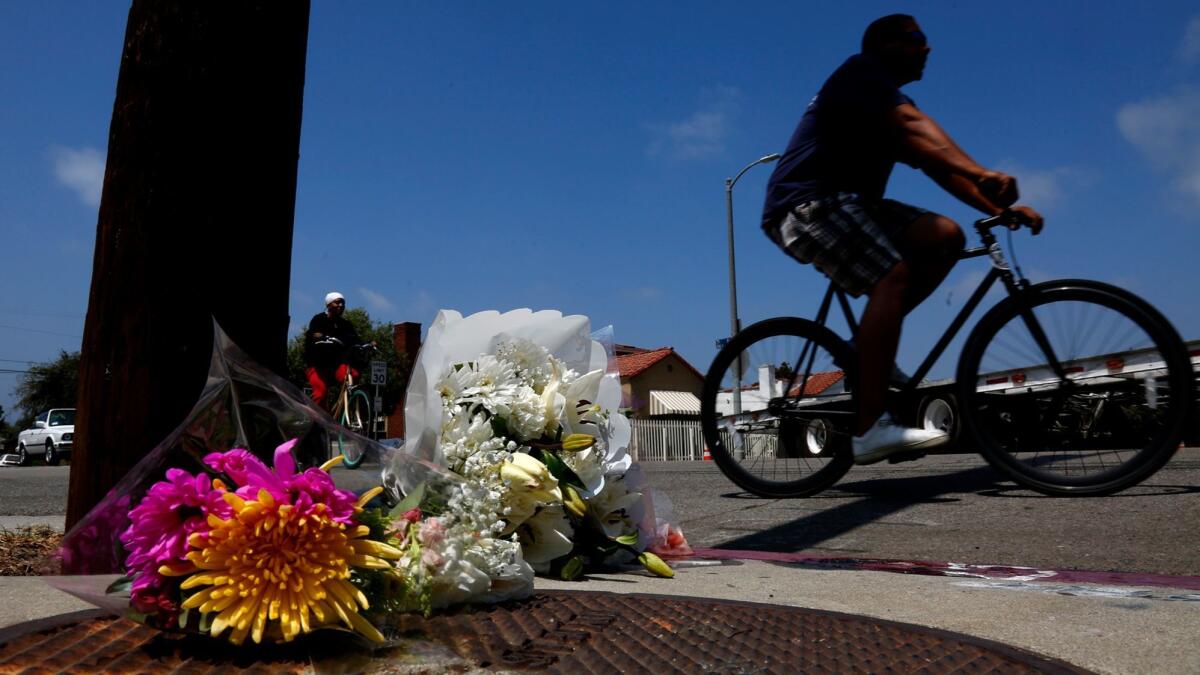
(272, 565)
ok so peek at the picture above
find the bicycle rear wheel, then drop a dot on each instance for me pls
(1115, 418)
(775, 411)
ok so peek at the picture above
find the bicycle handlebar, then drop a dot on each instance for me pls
(1007, 218)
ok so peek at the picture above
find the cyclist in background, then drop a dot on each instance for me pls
(825, 206)
(328, 345)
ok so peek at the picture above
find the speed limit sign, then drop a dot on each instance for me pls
(379, 372)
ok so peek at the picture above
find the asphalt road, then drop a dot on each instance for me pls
(33, 490)
(940, 508)
(949, 508)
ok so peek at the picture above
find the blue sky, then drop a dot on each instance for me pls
(482, 155)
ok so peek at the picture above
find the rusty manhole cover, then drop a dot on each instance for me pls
(558, 631)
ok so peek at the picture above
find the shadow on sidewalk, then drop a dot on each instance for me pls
(886, 496)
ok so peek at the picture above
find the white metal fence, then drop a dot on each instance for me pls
(666, 440)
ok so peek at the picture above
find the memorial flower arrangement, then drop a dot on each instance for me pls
(244, 550)
(516, 460)
(543, 439)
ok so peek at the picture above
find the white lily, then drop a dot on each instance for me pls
(616, 508)
(545, 537)
(528, 484)
(583, 388)
(553, 404)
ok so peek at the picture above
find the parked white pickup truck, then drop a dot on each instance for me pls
(52, 437)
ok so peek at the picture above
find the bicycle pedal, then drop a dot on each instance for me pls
(910, 456)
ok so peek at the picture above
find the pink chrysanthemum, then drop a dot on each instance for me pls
(248, 472)
(168, 514)
(303, 490)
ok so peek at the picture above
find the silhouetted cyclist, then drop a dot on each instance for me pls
(825, 206)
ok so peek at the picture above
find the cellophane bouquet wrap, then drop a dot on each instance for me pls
(525, 406)
(243, 524)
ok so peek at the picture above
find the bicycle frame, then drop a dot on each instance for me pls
(342, 406)
(999, 270)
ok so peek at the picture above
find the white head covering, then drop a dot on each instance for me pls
(331, 296)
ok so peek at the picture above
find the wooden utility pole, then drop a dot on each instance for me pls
(195, 220)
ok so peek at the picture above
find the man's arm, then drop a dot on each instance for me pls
(927, 146)
(966, 191)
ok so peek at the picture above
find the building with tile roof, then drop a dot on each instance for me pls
(658, 382)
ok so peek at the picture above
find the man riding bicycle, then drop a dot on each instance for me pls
(825, 206)
(328, 345)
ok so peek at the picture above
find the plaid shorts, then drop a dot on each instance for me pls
(849, 239)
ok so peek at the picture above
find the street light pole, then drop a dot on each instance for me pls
(734, 324)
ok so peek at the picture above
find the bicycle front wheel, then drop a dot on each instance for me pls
(776, 411)
(357, 418)
(1114, 414)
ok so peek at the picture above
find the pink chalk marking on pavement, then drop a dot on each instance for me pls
(952, 569)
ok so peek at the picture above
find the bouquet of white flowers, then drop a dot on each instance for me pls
(523, 406)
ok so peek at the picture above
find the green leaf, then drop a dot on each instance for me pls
(136, 616)
(411, 501)
(183, 618)
(206, 620)
(121, 585)
(558, 468)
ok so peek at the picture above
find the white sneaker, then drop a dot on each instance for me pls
(885, 437)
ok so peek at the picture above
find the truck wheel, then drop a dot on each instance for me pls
(22, 455)
(52, 457)
(940, 412)
(818, 436)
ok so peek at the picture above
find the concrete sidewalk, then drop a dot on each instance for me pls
(1105, 628)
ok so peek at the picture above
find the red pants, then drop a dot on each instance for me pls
(319, 384)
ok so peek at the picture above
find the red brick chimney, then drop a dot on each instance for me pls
(407, 338)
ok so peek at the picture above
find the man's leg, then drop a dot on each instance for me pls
(930, 246)
(877, 340)
(318, 385)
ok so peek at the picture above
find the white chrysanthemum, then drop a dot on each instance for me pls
(525, 415)
(532, 361)
(467, 435)
(490, 382)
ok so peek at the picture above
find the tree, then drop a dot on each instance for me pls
(48, 385)
(6, 432)
(784, 371)
(398, 364)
